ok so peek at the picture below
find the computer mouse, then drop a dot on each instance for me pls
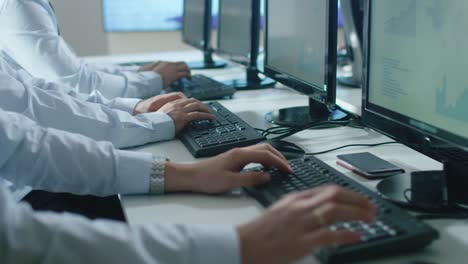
(288, 149)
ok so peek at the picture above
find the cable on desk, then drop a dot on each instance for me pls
(352, 145)
(286, 131)
(260, 130)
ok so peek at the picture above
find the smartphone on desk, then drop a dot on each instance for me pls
(368, 165)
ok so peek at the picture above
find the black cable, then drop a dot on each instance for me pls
(286, 131)
(352, 145)
(279, 129)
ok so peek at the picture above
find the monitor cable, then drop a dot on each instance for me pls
(351, 146)
(281, 132)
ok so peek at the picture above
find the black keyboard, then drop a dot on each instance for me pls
(394, 231)
(202, 88)
(207, 138)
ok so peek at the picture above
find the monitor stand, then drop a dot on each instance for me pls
(306, 115)
(207, 63)
(348, 81)
(251, 82)
(429, 191)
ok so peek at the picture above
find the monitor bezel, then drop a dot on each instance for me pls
(255, 20)
(206, 46)
(414, 133)
(315, 92)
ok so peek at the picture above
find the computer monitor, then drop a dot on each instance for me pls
(301, 40)
(239, 39)
(196, 32)
(352, 12)
(416, 91)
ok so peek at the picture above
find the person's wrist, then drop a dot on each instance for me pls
(180, 177)
(244, 231)
(138, 109)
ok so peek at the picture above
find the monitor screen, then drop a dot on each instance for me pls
(142, 15)
(297, 40)
(417, 70)
(194, 22)
(235, 27)
(146, 15)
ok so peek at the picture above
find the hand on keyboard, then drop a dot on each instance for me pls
(171, 71)
(207, 138)
(184, 111)
(297, 225)
(224, 172)
(155, 103)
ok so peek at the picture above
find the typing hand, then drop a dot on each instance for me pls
(224, 172)
(297, 225)
(172, 71)
(184, 111)
(155, 103)
(149, 66)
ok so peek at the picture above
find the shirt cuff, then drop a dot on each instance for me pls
(162, 124)
(125, 104)
(216, 244)
(155, 82)
(132, 68)
(133, 172)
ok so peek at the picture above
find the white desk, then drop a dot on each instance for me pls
(238, 208)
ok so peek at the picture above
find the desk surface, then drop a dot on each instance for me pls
(238, 208)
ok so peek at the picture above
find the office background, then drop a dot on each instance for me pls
(78, 32)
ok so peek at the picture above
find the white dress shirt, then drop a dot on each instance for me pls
(54, 160)
(29, 32)
(58, 161)
(32, 237)
(11, 67)
(50, 106)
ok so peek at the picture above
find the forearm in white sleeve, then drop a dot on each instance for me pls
(57, 161)
(28, 237)
(52, 108)
(10, 67)
(29, 32)
(113, 68)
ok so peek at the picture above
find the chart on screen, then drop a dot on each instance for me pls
(419, 60)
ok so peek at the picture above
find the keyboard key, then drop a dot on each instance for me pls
(211, 137)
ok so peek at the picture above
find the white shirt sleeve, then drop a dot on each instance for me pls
(57, 161)
(30, 237)
(112, 68)
(29, 32)
(50, 107)
(9, 66)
